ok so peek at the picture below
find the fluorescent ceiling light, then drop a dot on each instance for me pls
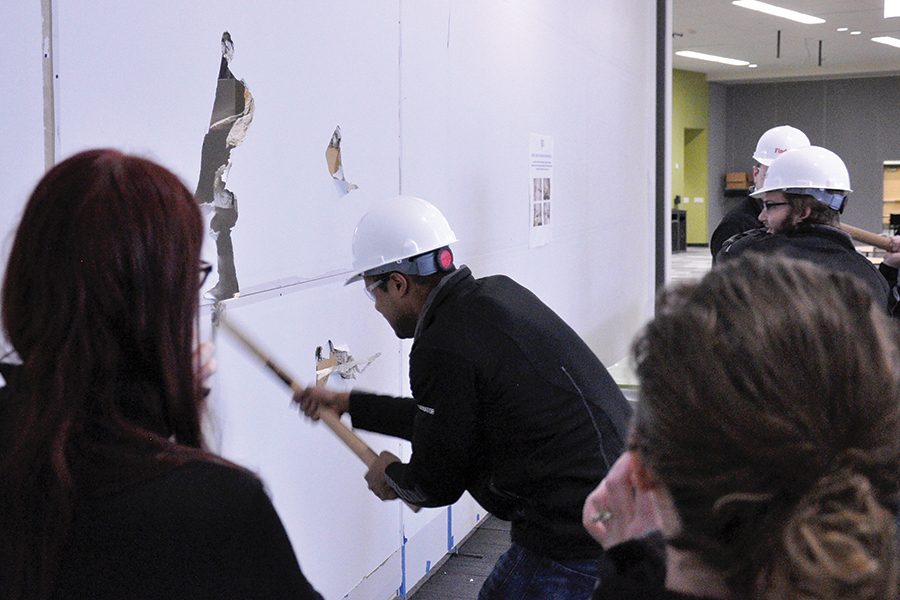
(886, 39)
(712, 58)
(771, 9)
(891, 8)
(855, 32)
(842, 28)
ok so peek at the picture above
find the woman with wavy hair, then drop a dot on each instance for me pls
(766, 443)
(107, 490)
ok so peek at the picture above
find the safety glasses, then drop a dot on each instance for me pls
(370, 289)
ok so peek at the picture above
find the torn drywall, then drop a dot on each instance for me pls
(333, 160)
(232, 114)
(340, 361)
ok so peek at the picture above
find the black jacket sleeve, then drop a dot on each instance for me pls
(383, 414)
(739, 219)
(445, 437)
(725, 231)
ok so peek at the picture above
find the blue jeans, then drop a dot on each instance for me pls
(523, 575)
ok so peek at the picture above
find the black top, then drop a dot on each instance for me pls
(509, 404)
(741, 218)
(636, 570)
(9, 374)
(826, 246)
(202, 530)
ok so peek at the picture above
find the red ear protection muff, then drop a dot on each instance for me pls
(443, 260)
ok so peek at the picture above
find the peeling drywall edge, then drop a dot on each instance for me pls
(335, 163)
(232, 113)
(281, 287)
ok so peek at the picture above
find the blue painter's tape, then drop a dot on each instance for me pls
(450, 543)
(402, 592)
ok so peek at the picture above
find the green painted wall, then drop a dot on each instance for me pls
(690, 113)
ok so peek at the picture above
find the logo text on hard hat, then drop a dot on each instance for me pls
(780, 150)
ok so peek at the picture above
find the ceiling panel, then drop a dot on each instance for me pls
(718, 27)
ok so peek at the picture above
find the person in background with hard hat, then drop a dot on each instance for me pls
(744, 216)
(804, 194)
(508, 402)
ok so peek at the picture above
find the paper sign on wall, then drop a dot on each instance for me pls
(540, 174)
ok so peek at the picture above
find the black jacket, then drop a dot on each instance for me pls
(741, 218)
(826, 246)
(636, 570)
(201, 530)
(890, 274)
(9, 373)
(509, 404)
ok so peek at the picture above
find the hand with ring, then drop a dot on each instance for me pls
(619, 510)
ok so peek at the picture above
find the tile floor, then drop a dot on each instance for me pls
(463, 572)
(691, 264)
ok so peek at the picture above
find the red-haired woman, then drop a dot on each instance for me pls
(107, 489)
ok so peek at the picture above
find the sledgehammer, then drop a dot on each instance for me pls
(329, 416)
(867, 237)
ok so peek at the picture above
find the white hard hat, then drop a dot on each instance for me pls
(777, 141)
(814, 171)
(397, 229)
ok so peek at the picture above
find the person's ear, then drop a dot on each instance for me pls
(642, 476)
(802, 215)
(399, 283)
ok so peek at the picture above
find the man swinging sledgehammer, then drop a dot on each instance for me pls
(509, 403)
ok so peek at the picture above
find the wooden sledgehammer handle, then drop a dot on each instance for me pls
(329, 416)
(867, 237)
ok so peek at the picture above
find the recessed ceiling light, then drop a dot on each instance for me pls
(891, 8)
(855, 32)
(842, 28)
(771, 9)
(752, 66)
(712, 58)
(886, 39)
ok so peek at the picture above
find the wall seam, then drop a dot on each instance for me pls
(399, 96)
(49, 82)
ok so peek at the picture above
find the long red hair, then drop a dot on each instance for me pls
(99, 301)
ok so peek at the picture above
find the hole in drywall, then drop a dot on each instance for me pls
(231, 116)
